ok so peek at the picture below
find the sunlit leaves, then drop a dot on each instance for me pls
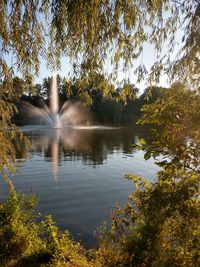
(27, 239)
(177, 111)
(175, 120)
(128, 92)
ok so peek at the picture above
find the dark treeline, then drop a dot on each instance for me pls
(107, 103)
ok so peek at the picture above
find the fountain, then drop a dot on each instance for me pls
(70, 113)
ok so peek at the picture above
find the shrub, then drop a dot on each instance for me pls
(159, 226)
(27, 240)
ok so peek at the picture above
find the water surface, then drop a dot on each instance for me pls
(78, 173)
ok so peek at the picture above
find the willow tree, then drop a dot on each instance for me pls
(94, 32)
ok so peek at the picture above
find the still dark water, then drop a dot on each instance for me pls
(78, 174)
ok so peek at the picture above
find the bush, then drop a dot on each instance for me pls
(26, 240)
(159, 226)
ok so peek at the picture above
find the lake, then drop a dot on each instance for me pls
(78, 173)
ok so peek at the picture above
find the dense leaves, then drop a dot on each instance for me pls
(175, 118)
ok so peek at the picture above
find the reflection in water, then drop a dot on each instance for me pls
(89, 144)
(54, 152)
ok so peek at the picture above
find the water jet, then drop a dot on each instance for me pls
(71, 113)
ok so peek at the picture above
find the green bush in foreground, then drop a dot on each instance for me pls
(159, 225)
(26, 240)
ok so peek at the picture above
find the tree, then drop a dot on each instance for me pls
(45, 87)
(109, 110)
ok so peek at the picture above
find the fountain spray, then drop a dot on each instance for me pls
(70, 114)
(54, 106)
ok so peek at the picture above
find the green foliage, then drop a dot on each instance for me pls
(131, 112)
(128, 93)
(85, 98)
(175, 120)
(26, 240)
(12, 140)
(151, 94)
(159, 226)
(13, 145)
(18, 232)
(176, 110)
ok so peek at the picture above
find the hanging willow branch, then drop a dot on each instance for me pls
(94, 32)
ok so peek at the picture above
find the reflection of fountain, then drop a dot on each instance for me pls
(54, 153)
(69, 138)
(69, 114)
(90, 144)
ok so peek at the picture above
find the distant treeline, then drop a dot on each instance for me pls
(106, 102)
